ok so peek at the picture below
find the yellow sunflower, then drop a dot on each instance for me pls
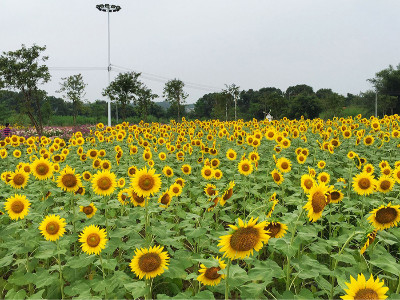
(321, 164)
(245, 167)
(167, 171)
(227, 194)
(207, 172)
(277, 176)
(385, 216)
(137, 200)
(165, 199)
(149, 262)
(104, 183)
(324, 177)
(87, 176)
(284, 165)
(363, 289)
(19, 179)
(307, 182)
(145, 182)
(186, 169)
(335, 196)
(245, 238)
(210, 276)
(218, 174)
(211, 190)
(370, 239)
(276, 229)
(132, 171)
(123, 196)
(52, 227)
(175, 189)
(364, 184)
(93, 239)
(17, 206)
(89, 210)
(369, 168)
(42, 168)
(231, 154)
(69, 181)
(385, 184)
(317, 201)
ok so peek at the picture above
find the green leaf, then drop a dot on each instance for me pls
(137, 288)
(6, 260)
(80, 261)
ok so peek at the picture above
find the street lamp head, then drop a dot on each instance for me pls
(108, 7)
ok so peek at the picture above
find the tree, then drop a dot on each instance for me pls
(233, 92)
(293, 91)
(125, 88)
(174, 94)
(21, 70)
(73, 88)
(203, 106)
(145, 97)
(303, 105)
(332, 103)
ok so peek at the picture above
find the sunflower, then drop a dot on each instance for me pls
(363, 289)
(227, 194)
(385, 216)
(218, 174)
(370, 239)
(396, 174)
(104, 183)
(369, 168)
(307, 182)
(385, 184)
(245, 167)
(167, 171)
(324, 177)
(180, 181)
(277, 176)
(19, 179)
(89, 210)
(210, 276)
(245, 238)
(276, 229)
(301, 159)
(165, 199)
(207, 172)
(210, 190)
(335, 196)
(145, 182)
(42, 168)
(92, 153)
(231, 154)
(364, 183)
(321, 164)
(284, 165)
(132, 171)
(81, 191)
(17, 206)
(162, 156)
(105, 164)
(69, 181)
(52, 227)
(149, 262)
(317, 201)
(123, 196)
(368, 140)
(17, 153)
(186, 169)
(93, 239)
(175, 189)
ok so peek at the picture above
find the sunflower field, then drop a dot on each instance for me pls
(288, 209)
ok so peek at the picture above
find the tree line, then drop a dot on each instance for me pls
(23, 71)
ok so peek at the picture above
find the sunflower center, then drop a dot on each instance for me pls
(175, 190)
(231, 155)
(324, 178)
(138, 199)
(244, 239)
(42, 169)
(69, 180)
(212, 273)
(364, 183)
(210, 191)
(277, 177)
(106, 165)
(335, 195)
(207, 172)
(185, 169)
(104, 183)
(27, 169)
(245, 167)
(93, 153)
(79, 190)
(149, 262)
(228, 194)
(19, 179)
(17, 206)
(366, 294)
(284, 165)
(168, 172)
(147, 156)
(165, 199)
(308, 183)
(132, 171)
(318, 202)
(88, 210)
(146, 182)
(87, 176)
(368, 140)
(93, 240)
(273, 229)
(52, 227)
(386, 215)
(385, 185)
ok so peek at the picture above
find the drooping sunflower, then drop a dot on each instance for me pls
(42, 168)
(137, 200)
(284, 165)
(363, 289)
(396, 174)
(307, 182)
(276, 229)
(93, 239)
(89, 210)
(17, 206)
(207, 172)
(385, 216)
(245, 167)
(245, 238)
(317, 200)
(149, 262)
(186, 169)
(104, 183)
(145, 182)
(370, 239)
(385, 184)
(165, 199)
(277, 176)
(364, 184)
(335, 196)
(210, 276)
(227, 194)
(19, 179)
(69, 181)
(52, 227)
(123, 196)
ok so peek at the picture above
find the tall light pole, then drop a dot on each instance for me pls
(108, 9)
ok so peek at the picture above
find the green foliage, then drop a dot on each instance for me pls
(174, 93)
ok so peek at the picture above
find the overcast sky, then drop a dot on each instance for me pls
(335, 44)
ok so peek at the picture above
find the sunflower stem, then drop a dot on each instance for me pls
(60, 271)
(104, 276)
(149, 294)
(398, 287)
(146, 225)
(73, 219)
(227, 280)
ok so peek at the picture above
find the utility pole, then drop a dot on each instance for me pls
(376, 103)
